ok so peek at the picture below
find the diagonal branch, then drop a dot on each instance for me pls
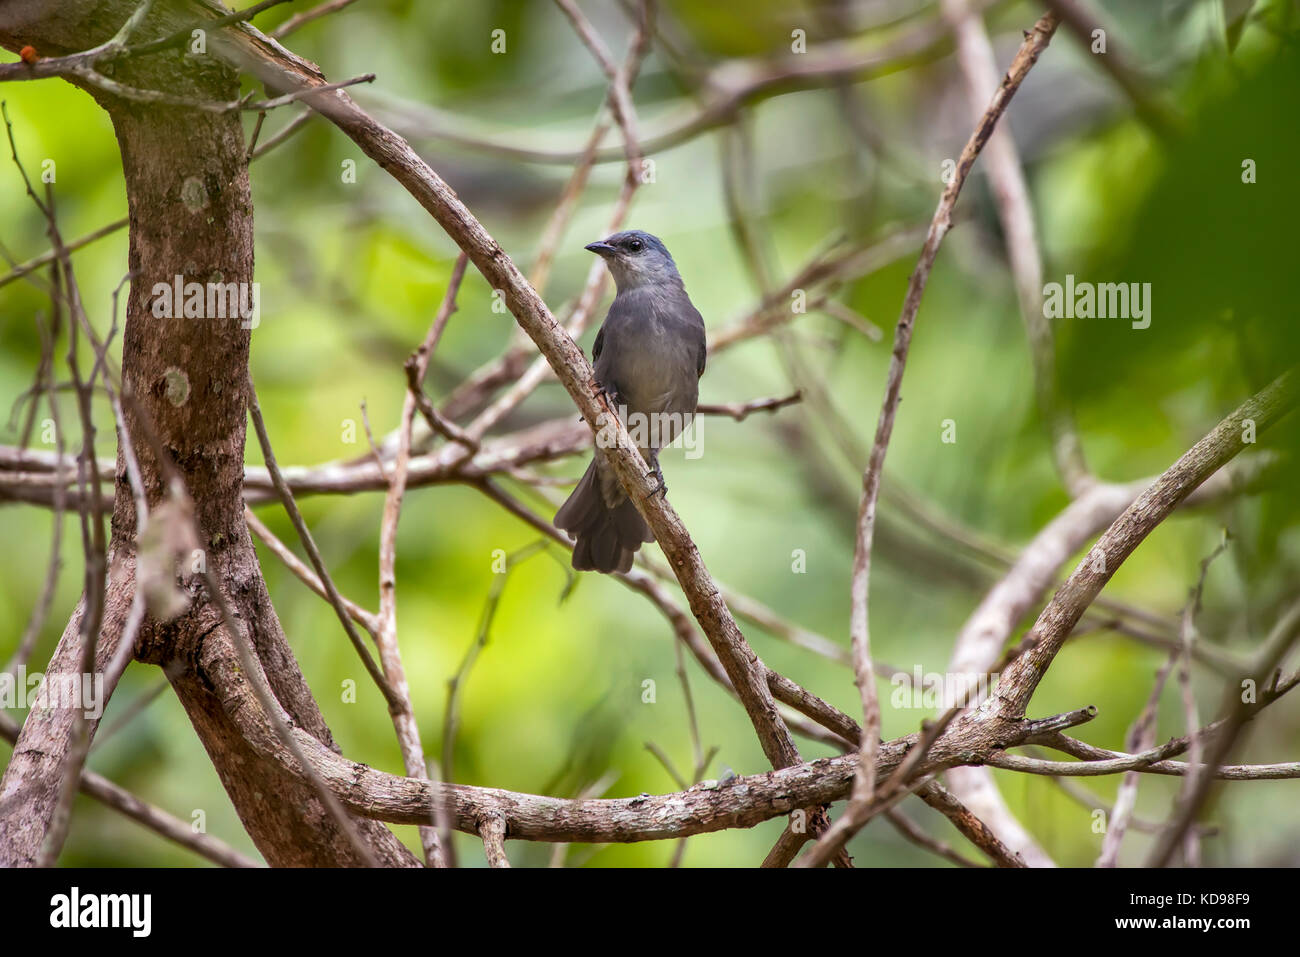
(1036, 40)
(1150, 508)
(246, 48)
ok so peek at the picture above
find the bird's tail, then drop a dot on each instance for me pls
(605, 535)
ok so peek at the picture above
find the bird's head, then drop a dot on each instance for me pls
(636, 258)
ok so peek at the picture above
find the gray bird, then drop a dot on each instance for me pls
(649, 356)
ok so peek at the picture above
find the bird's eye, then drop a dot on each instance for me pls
(635, 245)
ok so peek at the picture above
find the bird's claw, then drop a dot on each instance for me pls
(660, 488)
(612, 398)
(611, 395)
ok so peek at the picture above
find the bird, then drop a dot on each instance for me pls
(649, 356)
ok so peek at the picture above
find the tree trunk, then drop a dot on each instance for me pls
(191, 215)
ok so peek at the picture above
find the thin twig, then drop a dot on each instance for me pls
(390, 656)
(318, 563)
(1036, 40)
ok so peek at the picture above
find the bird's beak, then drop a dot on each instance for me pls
(600, 249)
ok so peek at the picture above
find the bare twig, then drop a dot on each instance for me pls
(493, 831)
(1239, 709)
(905, 826)
(307, 16)
(1141, 737)
(390, 657)
(1011, 193)
(742, 410)
(1036, 41)
(313, 553)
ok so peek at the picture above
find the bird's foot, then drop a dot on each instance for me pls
(612, 398)
(611, 395)
(660, 488)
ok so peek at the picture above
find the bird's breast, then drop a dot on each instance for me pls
(650, 354)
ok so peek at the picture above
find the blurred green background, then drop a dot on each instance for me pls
(351, 274)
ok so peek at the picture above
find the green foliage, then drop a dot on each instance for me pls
(351, 276)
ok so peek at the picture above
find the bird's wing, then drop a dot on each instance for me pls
(600, 341)
(702, 353)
